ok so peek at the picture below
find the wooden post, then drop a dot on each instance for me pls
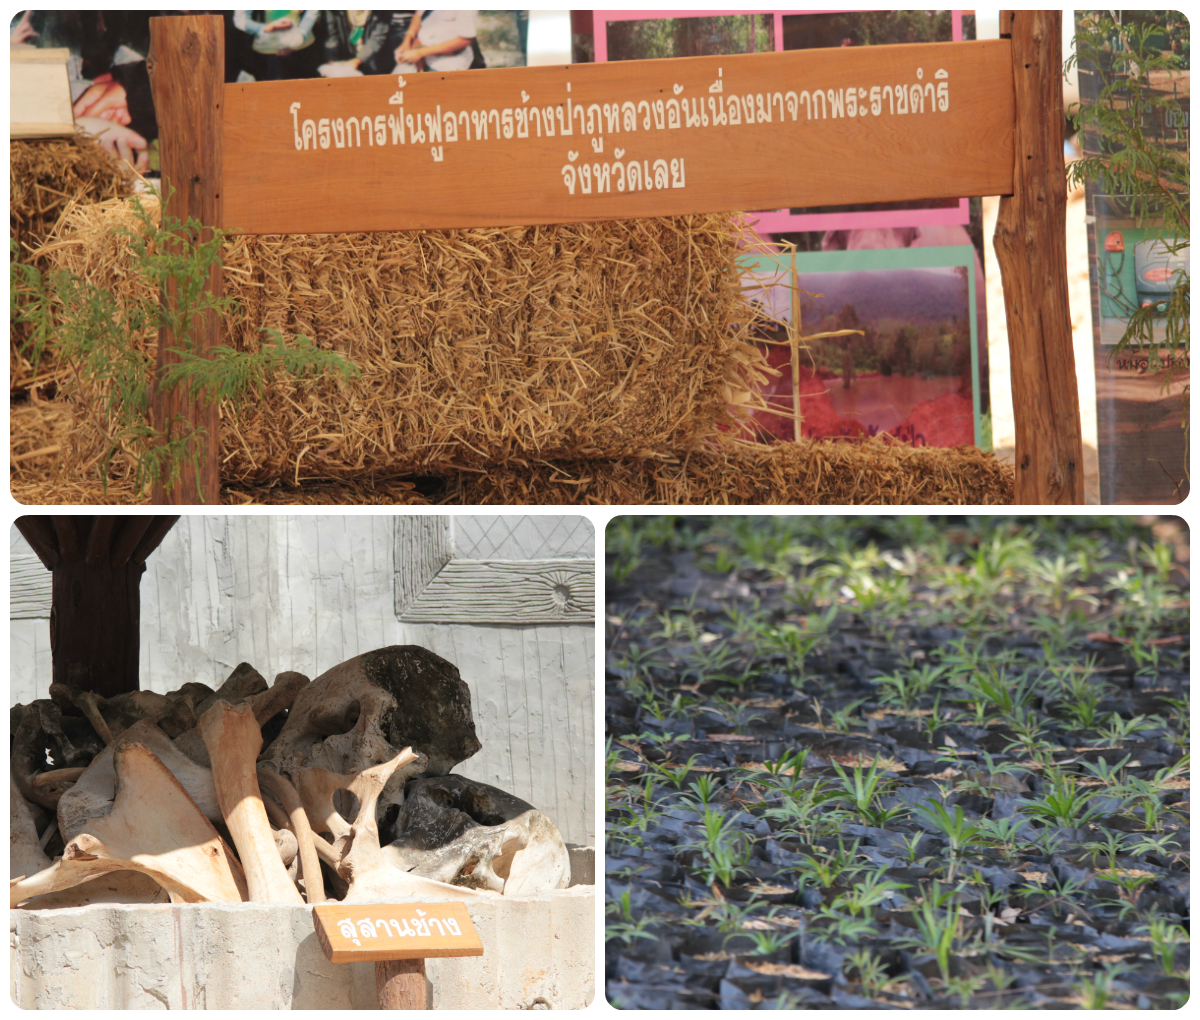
(795, 346)
(400, 984)
(187, 71)
(1031, 250)
(96, 566)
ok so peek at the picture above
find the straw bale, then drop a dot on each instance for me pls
(476, 346)
(46, 176)
(811, 472)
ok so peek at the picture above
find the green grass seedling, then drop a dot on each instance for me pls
(959, 832)
(1165, 936)
(906, 687)
(825, 870)
(938, 926)
(868, 892)
(864, 788)
(870, 972)
(1065, 805)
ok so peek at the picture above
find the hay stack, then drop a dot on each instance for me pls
(477, 347)
(878, 471)
(45, 176)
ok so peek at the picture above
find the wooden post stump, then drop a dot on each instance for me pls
(400, 984)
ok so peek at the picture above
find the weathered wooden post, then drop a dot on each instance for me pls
(1032, 252)
(399, 937)
(187, 74)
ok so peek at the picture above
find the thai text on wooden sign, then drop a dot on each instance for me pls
(618, 140)
(395, 931)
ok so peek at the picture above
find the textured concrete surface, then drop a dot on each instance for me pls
(539, 952)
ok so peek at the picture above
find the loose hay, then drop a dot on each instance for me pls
(44, 177)
(877, 471)
(477, 347)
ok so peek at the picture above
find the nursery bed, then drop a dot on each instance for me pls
(897, 762)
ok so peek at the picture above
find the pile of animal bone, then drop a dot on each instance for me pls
(336, 788)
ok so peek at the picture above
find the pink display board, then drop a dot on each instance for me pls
(783, 220)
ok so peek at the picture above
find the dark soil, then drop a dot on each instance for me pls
(897, 762)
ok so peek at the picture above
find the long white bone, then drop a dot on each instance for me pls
(233, 740)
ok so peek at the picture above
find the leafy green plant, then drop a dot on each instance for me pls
(768, 941)
(625, 928)
(864, 788)
(870, 972)
(867, 892)
(1127, 154)
(904, 688)
(724, 850)
(839, 928)
(96, 337)
(937, 925)
(793, 643)
(1065, 804)
(824, 870)
(959, 832)
(1165, 937)
(783, 774)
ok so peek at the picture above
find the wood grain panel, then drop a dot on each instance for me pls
(508, 591)
(827, 129)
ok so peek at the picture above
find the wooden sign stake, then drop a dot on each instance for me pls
(399, 937)
(187, 74)
(1032, 251)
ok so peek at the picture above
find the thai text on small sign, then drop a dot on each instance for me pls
(395, 931)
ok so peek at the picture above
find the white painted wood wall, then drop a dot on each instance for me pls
(307, 592)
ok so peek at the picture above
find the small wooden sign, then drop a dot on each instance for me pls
(359, 933)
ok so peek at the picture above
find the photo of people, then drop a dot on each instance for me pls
(110, 86)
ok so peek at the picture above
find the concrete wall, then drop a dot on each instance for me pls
(307, 592)
(539, 952)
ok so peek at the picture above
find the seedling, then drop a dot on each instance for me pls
(840, 929)
(938, 927)
(1065, 805)
(770, 941)
(827, 870)
(1165, 936)
(790, 641)
(1109, 775)
(783, 775)
(957, 830)
(870, 973)
(1004, 833)
(725, 849)
(864, 789)
(868, 892)
(625, 929)
(906, 687)
(1118, 729)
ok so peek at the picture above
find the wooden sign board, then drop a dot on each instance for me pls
(357, 933)
(39, 93)
(619, 140)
